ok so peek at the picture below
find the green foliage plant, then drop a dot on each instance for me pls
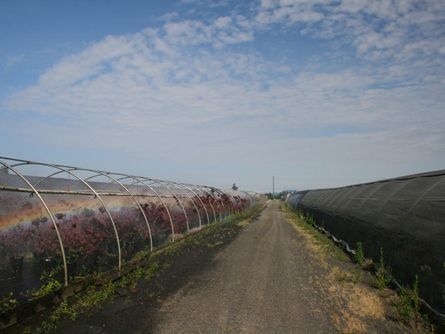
(359, 256)
(382, 274)
(8, 303)
(408, 306)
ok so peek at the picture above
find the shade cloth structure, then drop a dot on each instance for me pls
(61, 222)
(403, 216)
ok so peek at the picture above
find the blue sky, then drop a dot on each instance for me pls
(318, 93)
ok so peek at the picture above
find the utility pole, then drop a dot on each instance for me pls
(273, 186)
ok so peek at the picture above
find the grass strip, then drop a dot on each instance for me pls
(157, 274)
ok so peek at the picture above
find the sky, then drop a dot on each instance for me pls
(318, 93)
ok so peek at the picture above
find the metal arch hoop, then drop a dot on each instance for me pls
(163, 203)
(211, 205)
(248, 196)
(189, 190)
(220, 202)
(191, 199)
(141, 180)
(209, 194)
(229, 204)
(65, 267)
(238, 202)
(130, 193)
(199, 199)
(179, 202)
(213, 199)
(69, 171)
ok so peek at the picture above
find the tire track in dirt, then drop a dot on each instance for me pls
(260, 283)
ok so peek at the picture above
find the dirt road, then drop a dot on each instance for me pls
(260, 283)
(270, 276)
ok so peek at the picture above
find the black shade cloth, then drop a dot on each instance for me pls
(404, 216)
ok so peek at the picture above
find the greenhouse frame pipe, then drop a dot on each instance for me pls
(222, 213)
(211, 198)
(69, 171)
(219, 201)
(124, 176)
(165, 206)
(214, 198)
(21, 176)
(248, 198)
(190, 197)
(237, 199)
(202, 203)
(211, 206)
(177, 199)
(132, 196)
(219, 198)
(64, 168)
(229, 201)
(251, 199)
(238, 202)
(186, 187)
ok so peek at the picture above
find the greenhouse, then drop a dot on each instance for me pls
(64, 222)
(402, 218)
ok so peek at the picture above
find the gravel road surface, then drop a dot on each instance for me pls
(260, 283)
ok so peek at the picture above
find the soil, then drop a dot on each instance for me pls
(262, 277)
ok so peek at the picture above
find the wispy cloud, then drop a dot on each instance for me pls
(188, 84)
(401, 29)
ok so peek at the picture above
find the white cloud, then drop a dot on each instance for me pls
(224, 30)
(378, 29)
(179, 93)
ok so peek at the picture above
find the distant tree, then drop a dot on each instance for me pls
(280, 195)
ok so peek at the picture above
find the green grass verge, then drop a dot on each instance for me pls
(406, 305)
(307, 224)
(151, 273)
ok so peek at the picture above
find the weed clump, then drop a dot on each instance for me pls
(63, 310)
(359, 256)
(51, 286)
(382, 274)
(407, 306)
(152, 273)
(8, 302)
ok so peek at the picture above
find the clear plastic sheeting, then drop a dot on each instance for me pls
(63, 222)
(405, 217)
